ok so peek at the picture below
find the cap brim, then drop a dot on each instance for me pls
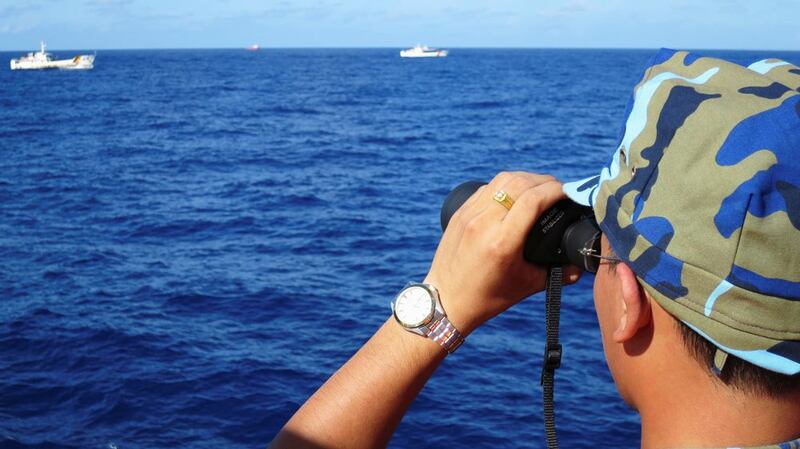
(583, 191)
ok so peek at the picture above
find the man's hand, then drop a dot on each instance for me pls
(479, 272)
(478, 268)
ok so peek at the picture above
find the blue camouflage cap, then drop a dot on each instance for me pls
(701, 198)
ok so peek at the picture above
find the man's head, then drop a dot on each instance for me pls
(701, 200)
(645, 345)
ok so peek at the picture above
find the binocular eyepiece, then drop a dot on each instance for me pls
(567, 233)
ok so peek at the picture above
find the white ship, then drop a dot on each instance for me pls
(423, 51)
(44, 60)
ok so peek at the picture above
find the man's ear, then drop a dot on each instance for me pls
(636, 312)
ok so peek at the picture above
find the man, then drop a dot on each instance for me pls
(698, 295)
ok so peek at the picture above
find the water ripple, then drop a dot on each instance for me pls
(188, 249)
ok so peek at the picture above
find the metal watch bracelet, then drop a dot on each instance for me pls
(445, 334)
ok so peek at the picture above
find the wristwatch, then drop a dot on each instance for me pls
(417, 308)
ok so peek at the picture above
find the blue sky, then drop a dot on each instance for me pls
(104, 24)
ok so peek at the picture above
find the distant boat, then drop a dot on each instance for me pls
(423, 51)
(253, 47)
(43, 60)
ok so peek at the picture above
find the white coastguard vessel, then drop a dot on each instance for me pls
(423, 51)
(44, 60)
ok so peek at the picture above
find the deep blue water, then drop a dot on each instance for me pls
(191, 242)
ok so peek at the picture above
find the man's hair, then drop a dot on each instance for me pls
(737, 373)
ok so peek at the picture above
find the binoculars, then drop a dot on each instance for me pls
(567, 233)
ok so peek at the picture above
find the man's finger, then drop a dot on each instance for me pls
(473, 206)
(503, 179)
(515, 184)
(529, 207)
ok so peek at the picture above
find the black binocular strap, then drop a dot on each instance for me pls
(552, 352)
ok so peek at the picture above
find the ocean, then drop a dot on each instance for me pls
(192, 241)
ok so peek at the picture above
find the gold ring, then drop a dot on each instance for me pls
(502, 197)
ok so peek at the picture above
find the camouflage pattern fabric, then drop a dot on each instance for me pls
(702, 199)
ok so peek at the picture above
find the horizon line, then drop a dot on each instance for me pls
(388, 47)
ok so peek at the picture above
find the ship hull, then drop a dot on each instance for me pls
(427, 54)
(81, 62)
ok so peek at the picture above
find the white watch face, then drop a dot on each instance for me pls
(414, 306)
